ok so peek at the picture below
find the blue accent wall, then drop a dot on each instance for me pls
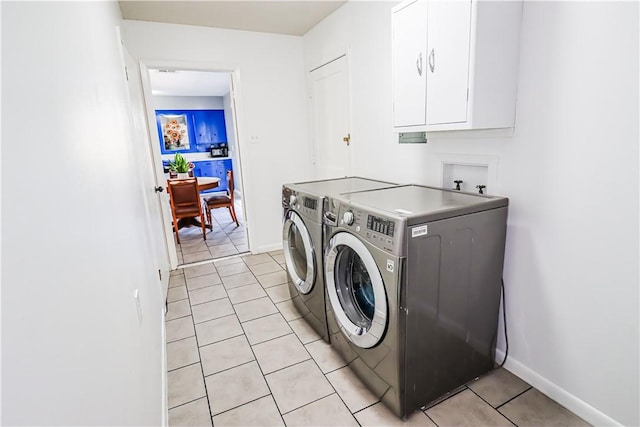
(203, 129)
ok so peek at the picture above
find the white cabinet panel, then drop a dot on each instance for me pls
(448, 35)
(409, 60)
(470, 64)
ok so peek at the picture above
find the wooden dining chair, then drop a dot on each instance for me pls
(222, 201)
(185, 202)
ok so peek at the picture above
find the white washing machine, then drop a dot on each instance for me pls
(302, 241)
(413, 278)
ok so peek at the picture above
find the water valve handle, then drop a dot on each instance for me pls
(458, 182)
(481, 188)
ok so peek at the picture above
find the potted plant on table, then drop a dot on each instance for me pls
(180, 166)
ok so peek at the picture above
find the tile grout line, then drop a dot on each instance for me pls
(244, 334)
(216, 318)
(274, 338)
(430, 419)
(330, 385)
(212, 300)
(186, 403)
(284, 367)
(325, 378)
(204, 382)
(224, 339)
(256, 359)
(250, 299)
(264, 378)
(180, 339)
(196, 263)
(496, 408)
(233, 367)
(181, 317)
(185, 366)
(246, 403)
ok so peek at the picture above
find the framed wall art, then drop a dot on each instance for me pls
(174, 132)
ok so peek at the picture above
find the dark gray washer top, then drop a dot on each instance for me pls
(334, 187)
(420, 204)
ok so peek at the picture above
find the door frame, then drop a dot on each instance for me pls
(234, 90)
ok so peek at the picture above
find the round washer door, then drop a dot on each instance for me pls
(298, 252)
(356, 290)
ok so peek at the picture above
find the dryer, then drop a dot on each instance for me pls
(302, 233)
(413, 278)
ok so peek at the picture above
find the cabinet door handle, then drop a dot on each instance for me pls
(419, 64)
(432, 60)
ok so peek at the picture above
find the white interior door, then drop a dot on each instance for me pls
(153, 200)
(156, 159)
(330, 106)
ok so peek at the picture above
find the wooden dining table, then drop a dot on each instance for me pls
(204, 183)
(207, 183)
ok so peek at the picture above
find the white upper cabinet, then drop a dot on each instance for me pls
(448, 59)
(466, 77)
(410, 64)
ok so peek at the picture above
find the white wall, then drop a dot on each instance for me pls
(571, 173)
(270, 101)
(74, 239)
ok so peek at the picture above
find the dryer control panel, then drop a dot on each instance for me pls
(305, 204)
(372, 227)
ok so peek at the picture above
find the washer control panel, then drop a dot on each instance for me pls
(374, 228)
(305, 204)
(348, 217)
(380, 225)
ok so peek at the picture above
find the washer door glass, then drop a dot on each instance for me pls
(298, 252)
(356, 290)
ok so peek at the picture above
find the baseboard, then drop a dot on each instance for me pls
(557, 393)
(165, 395)
(266, 248)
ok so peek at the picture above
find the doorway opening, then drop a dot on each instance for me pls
(192, 114)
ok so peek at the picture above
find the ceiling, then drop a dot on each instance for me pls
(292, 17)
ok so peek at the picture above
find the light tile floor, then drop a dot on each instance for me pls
(239, 354)
(226, 238)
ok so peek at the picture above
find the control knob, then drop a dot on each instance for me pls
(348, 217)
(292, 200)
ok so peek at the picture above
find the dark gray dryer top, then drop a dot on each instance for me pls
(334, 187)
(420, 204)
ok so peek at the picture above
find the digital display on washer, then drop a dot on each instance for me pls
(380, 225)
(310, 203)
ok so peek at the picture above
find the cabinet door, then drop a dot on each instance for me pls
(409, 45)
(220, 172)
(448, 36)
(203, 168)
(209, 126)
